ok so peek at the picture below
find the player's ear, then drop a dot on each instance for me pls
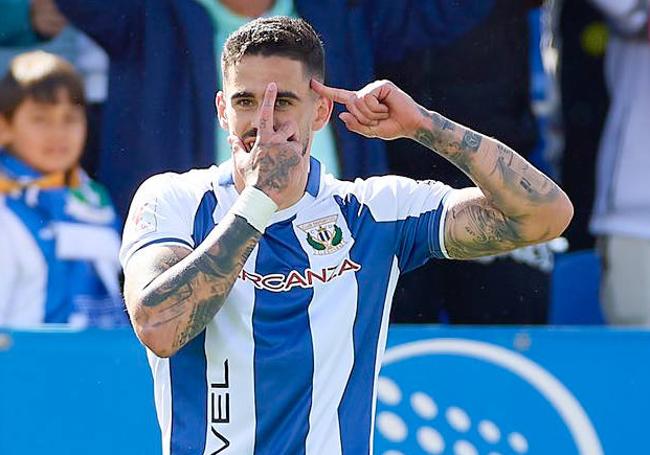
(220, 103)
(324, 107)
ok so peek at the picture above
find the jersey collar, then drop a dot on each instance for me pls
(225, 176)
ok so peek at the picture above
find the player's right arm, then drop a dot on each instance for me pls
(172, 291)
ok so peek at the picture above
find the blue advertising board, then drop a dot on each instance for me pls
(442, 390)
(66, 392)
(514, 391)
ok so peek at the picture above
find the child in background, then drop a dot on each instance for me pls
(59, 235)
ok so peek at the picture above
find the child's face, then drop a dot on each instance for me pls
(48, 137)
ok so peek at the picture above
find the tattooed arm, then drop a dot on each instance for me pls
(512, 205)
(172, 292)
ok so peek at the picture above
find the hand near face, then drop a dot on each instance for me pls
(47, 20)
(380, 109)
(277, 164)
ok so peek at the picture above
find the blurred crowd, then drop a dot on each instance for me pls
(96, 96)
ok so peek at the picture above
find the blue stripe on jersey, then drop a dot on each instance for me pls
(188, 367)
(189, 386)
(418, 239)
(371, 241)
(204, 218)
(313, 180)
(58, 302)
(284, 356)
(434, 231)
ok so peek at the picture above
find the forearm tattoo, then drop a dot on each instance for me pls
(513, 189)
(187, 295)
(442, 137)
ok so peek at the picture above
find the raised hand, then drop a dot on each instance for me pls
(380, 109)
(277, 163)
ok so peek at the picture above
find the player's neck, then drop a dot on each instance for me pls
(248, 8)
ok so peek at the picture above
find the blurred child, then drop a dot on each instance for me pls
(59, 234)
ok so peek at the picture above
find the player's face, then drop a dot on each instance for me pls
(48, 137)
(243, 92)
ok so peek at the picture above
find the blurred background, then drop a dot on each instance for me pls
(543, 350)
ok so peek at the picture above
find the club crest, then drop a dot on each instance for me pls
(323, 235)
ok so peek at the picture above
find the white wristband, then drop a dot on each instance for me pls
(255, 207)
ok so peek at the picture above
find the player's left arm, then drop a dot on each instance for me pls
(513, 203)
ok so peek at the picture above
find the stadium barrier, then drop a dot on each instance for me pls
(442, 390)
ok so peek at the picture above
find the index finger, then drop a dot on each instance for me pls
(265, 124)
(335, 94)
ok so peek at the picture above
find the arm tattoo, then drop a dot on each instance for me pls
(189, 293)
(486, 230)
(471, 141)
(513, 209)
(517, 175)
(442, 137)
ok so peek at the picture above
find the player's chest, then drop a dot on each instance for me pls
(301, 253)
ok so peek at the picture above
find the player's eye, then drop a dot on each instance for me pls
(282, 102)
(244, 102)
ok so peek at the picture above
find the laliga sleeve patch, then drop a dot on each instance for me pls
(144, 218)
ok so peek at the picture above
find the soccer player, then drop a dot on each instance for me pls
(262, 287)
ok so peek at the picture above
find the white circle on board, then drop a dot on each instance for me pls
(424, 406)
(464, 448)
(388, 391)
(518, 442)
(489, 431)
(559, 397)
(458, 419)
(391, 426)
(430, 440)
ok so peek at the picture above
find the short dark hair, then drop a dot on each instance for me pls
(280, 36)
(40, 76)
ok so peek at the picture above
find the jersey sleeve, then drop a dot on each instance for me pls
(161, 213)
(417, 209)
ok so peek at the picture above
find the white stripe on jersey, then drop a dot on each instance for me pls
(332, 327)
(231, 399)
(381, 344)
(162, 397)
(375, 191)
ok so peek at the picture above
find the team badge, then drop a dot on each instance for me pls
(323, 235)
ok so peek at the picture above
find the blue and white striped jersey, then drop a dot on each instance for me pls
(289, 364)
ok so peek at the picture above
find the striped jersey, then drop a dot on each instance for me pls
(289, 365)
